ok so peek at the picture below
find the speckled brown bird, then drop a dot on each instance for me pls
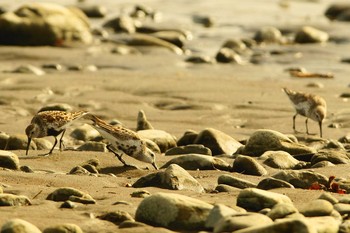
(123, 141)
(308, 105)
(51, 123)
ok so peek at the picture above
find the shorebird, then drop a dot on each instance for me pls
(51, 123)
(123, 141)
(308, 105)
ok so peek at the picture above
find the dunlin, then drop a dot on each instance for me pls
(51, 123)
(308, 105)
(123, 141)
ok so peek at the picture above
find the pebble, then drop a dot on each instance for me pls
(142, 122)
(42, 144)
(342, 208)
(226, 188)
(3, 140)
(318, 207)
(248, 165)
(79, 170)
(132, 224)
(63, 194)
(64, 228)
(235, 182)
(163, 139)
(335, 157)
(257, 199)
(29, 69)
(116, 217)
(217, 141)
(122, 23)
(174, 37)
(200, 59)
(227, 55)
(93, 146)
(53, 66)
(83, 200)
(204, 20)
(189, 137)
(167, 210)
(198, 161)
(240, 221)
(235, 44)
(290, 226)
(26, 169)
(68, 205)
(301, 179)
(281, 210)
(324, 224)
(322, 164)
(19, 142)
(19, 226)
(279, 159)
(335, 10)
(13, 200)
(139, 39)
(268, 35)
(9, 160)
(91, 168)
(85, 133)
(272, 183)
(310, 35)
(54, 25)
(140, 194)
(173, 177)
(328, 197)
(218, 212)
(189, 149)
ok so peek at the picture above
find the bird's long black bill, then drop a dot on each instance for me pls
(155, 166)
(29, 140)
(320, 124)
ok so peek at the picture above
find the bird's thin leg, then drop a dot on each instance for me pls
(61, 140)
(307, 129)
(294, 122)
(119, 156)
(50, 152)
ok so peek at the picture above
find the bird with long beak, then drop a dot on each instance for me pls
(51, 123)
(308, 105)
(123, 141)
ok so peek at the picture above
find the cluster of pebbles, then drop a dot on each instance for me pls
(139, 27)
(283, 161)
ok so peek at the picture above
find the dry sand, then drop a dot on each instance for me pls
(236, 99)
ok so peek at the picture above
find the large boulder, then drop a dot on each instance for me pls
(174, 177)
(269, 140)
(257, 199)
(44, 24)
(218, 142)
(173, 211)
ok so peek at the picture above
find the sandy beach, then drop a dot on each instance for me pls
(176, 96)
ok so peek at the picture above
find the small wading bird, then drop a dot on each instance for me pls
(123, 141)
(51, 123)
(308, 105)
